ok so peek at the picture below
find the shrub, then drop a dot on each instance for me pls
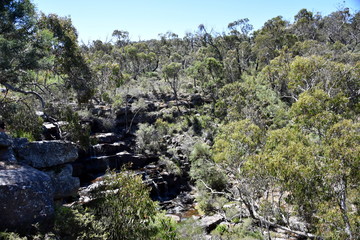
(21, 121)
(125, 208)
(77, 133)
(203, 168)
(147, 139)
(77, 224)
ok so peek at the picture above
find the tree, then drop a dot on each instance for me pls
(306, 25)
(69, 61)
(272, 37)
(171, 75)
(342, 159)
(22, 47)
(122, 38)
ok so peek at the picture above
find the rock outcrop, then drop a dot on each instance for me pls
(32, 176)
(64, 183)
(26, 197)
(43, 154)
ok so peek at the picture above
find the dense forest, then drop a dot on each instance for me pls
(268, 120)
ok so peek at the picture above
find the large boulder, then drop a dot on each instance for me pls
(64, 183)
(26, 198)
(43, 154)
(5, 140)
(209, 223)
(7, 155)
(6, 152)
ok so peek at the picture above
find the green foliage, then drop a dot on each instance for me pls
(11, 236)
(243, 230)
(68, 58)
(125, 208)
(21, 121)
(236, 141)
(147, 139)
(77, 223)
(282, 103)
(166, 228)
(204, 170)
(317, 111)
(254, 101)
(77, 132)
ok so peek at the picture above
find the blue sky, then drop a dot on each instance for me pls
(145, 19)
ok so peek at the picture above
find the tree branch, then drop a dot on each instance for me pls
(258, 217)
(15, 89)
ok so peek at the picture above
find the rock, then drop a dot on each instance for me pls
(26, 198)
(109, 148)
(7, 155)
(176, 218)
(107, 138)
(5, 140)
(95, 165)
(296, 224)
(51, 131)
(101, 110)
(209, 223)
(64, 183)
(44, 154)
(135, 160)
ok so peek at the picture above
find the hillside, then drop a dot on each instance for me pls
(236, 135)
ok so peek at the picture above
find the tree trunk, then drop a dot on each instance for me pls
(343, 208)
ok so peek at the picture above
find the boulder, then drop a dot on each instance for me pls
(26, 198)
(43, 154)
(51, 131)
(65, 185)
(5, 140)
(109, 148)
(7, 155)
(107, 138)
(209, 223)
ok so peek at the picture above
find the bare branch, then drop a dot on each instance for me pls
(15, 89)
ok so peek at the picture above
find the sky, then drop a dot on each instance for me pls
(146, 19)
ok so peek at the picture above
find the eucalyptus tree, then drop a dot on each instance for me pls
(22, 46)
(272, 37)
(69, 62)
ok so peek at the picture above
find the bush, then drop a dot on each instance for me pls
(238, 231)
(77, 224)
(147, 139)
(21, 121)
(76, 132)
(204, 169)
(125, 208)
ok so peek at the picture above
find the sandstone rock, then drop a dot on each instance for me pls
(109, 148)
(107, 138)
(7, 155)
(26, 198)
(5, 140)
(65, 185)
(51, 131)
(209, 223)
(44, 154)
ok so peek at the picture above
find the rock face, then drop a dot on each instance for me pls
(209, 223)
(5, 140)
(26, 197)
(44, 154)
(64, 183)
